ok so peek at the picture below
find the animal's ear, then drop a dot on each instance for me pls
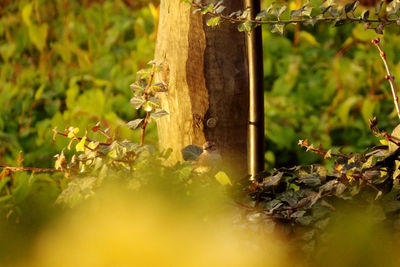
(191, 153)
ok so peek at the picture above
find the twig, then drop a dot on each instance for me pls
(389, 75)
(80, 138)
(33, 169)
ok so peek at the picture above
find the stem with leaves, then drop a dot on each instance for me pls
(389, 75)
(146, 98)
(330, 11)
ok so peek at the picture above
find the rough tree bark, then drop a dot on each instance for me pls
(207, 76)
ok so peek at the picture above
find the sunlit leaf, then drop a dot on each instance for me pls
(213, 21)
(223, 178)
(134, 124)
(81, 145)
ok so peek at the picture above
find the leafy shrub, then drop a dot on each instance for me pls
(67, 64)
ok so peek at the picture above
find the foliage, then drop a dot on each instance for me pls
(274, 15)
(145, 97)
(63, 63)
(325, 83)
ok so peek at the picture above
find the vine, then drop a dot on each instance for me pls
(328, 12)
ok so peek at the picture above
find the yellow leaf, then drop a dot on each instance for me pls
(93, 145)
(26, 13)
(384, 142)
(72, 131)
(60, 161)
(352, 160)
(223, 178)
(81, 145)
(328, 154)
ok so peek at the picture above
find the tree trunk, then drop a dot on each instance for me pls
(206, 72)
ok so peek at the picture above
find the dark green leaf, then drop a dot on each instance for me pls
(137, 102)
(273, 180)
(341, 22)
(134, 124)
(305, 220)
(278, 28)
(159, 87)
(246, 26)
(350, 7)
(365, 15)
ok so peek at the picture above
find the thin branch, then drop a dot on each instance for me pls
(33, 169)
(146, 121)
(80, 138)
(389, 75)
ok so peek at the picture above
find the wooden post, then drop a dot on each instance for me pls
(206, 71)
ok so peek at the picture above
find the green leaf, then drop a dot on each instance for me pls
(159, 114)
(137, 102)
(365, 15)
(278, 11)
(262, 14)
(23, 187)
(208, 8)
(26, 13)
(350, 7)
(303, 11)
(345, 107)
(38, 35)
(138, 87)
(134, 124)
(77, 191)
(39, 91)
(273, 180)
(223, 178)
(367, 109)
(393, 7)
(191, 153)
(3, 182)
(378, 7)
(158, 87)
(278, 28)
(305, 220)
(246, 26)
(213, 21)
(341, 22)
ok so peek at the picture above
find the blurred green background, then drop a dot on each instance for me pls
(71, 63)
